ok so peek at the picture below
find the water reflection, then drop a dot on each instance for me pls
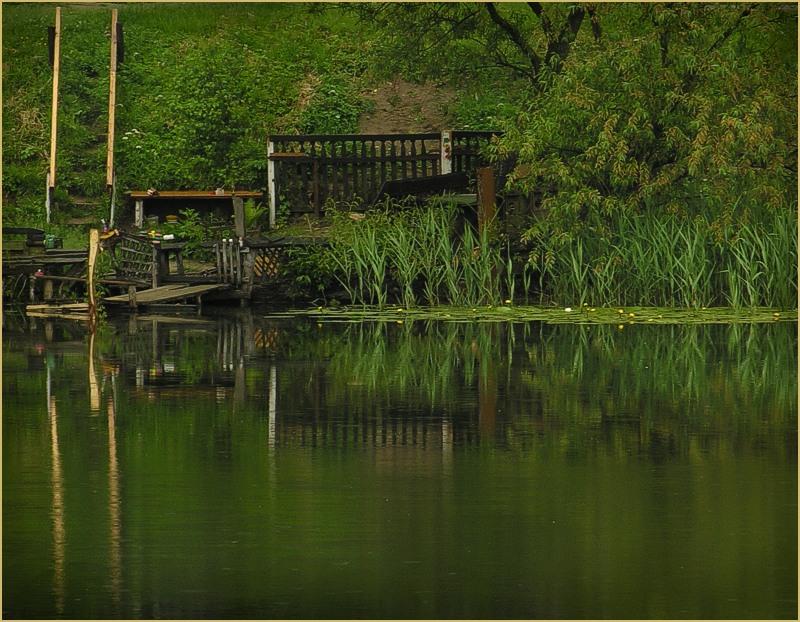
(384, 384)
(114, 509)
(490, 470)
(57, 513)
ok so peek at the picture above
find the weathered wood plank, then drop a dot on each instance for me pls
(166, 293)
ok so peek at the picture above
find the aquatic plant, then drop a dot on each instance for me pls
(417, 253)
(666, 259)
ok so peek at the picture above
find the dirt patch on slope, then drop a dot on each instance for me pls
(402, 107)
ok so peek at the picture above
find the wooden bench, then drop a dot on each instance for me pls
(20, 240)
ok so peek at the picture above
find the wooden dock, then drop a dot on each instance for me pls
(166, 293)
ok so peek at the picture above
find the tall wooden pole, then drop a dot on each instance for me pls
(112, 99)
(94, 246)
(51, 180)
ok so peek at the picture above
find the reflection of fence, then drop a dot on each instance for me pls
(306, 170)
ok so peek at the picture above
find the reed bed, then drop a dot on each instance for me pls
(670, 260)
(416, 257)
(430, 257)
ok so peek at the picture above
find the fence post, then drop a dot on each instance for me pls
(239, 223)
(139, 213)
(273, 191)
(486, 196)
(446, 153)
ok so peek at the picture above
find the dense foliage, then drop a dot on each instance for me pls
(622, 121)
(685, 114)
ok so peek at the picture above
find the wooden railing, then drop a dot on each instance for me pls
(307, 170)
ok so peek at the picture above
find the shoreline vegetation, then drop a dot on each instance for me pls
(656, 144)
(427, 256)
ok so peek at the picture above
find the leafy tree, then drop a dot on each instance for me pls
(684, 108)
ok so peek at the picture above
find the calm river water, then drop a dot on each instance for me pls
(248, 467)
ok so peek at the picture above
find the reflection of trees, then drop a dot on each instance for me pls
(655, 390)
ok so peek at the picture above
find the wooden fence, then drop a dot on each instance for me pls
(306, 170)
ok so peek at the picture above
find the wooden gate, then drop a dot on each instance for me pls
(306, 170)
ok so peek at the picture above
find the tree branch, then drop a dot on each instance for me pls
(516, 37)
(560, 45)
(547, 27)
(725, 35)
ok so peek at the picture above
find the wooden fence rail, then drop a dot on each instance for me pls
(306, 170)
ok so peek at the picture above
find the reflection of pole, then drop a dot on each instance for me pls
(59, 531)
(447, 445)
(487, 401)
(94, 387)
(273, 403)
(114, 506)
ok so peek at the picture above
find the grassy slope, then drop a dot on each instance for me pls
(200, 88)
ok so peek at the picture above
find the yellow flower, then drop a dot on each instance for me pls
(508, 301)
(631, 314)
(620, 326)
(399, 310)
(399, 321)
(776, 315)
(620, 311)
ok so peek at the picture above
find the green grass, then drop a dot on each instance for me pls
(200, 89)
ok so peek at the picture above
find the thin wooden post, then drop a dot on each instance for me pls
(486, 197)
(94, 244)
(316, 187)
(238, 217)
(273, 190)
(238, 251)
(224, 260)
(445, 152)
(112, 103)
(113, 201)
(154, 266)
(51, 180)
(47, 197)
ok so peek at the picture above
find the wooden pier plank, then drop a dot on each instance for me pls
(167, 293)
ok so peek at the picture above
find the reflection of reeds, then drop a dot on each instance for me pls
(708, 377)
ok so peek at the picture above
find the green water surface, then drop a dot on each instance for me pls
(243, 466)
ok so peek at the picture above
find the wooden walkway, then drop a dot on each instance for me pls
(166, 293)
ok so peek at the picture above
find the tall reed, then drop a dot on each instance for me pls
(420, 254)
(671, 260)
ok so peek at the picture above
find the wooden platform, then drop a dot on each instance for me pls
(166, 293)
